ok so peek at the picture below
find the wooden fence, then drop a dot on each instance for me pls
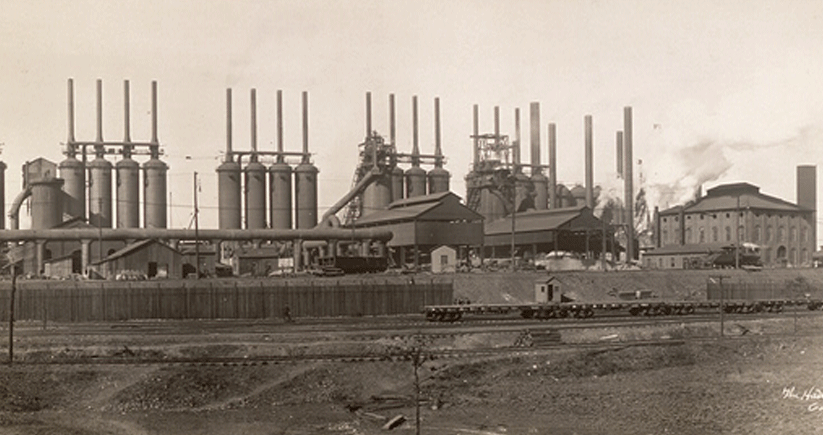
(65, 301)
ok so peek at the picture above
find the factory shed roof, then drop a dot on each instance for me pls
(444, 207)
(735, 196)
(695, 248)
(133, 247)
(579, 217)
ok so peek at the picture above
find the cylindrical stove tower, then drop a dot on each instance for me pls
(46, 207)
(377, 195)
(255, 179)
(128, 193)
(100, 208)
(74, 176)
(415, 182)
(439, 180)
(280, 203)
(154, 194)
(397, 184)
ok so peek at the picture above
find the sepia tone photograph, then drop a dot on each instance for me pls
(363, 217)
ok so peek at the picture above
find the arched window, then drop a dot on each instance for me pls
(702, 236)
(728, 234)
(780, 234)
(757, 233)
(793, 256)
(768, 233)
(715, 234)
(803, 235)
(793, 234)
(688, 235)
(741, 234)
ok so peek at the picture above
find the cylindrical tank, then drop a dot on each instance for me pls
(280, 196)
(397, 184)
(522, 192)
(100, 207)
(579, 194)
(305, 191)
(491, 207)
(377, 195)
(228, 195)
(438, 180)
(154, 194)
(128, 193)
(415, 182)
(541, 191)
(564, 197)
(74, 177)
(46, 206)
(255, 178)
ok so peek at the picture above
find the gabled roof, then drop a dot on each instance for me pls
(443, 206)
(542, 220)
(132, 247)
(735, 196)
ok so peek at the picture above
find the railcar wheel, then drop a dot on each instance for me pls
(689, 309)
(527, 313)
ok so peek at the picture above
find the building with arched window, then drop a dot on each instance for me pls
(784, 231)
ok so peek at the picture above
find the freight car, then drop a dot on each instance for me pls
(550, 303)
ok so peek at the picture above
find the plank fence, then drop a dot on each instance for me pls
(89, 301)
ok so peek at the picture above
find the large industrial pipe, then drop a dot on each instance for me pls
(552, 188)
(628, 181)
(534, 113)
(589, 163)
(189, 234)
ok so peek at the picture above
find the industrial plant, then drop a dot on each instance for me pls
(91, 218)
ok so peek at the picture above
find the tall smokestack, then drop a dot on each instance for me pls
(228, 157)
(438, 152)
(619, 145)
(305, 127)
(126, 126)
(368, 114)
(392, 129)
(254, 123)
(475, 134)
(415, 146)
(807, 198)
(280, 125)
(589, 163)
(71, 112)
(496, 123)
(553, 166)
(154, 112)
(534, 113)
(99, 112)
(516, 147)
(628, 181)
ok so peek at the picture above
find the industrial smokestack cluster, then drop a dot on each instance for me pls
(254, 184)
(98, 199)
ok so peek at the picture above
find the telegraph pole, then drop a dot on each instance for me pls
(196, 230)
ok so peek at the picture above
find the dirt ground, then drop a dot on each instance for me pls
(750, 384)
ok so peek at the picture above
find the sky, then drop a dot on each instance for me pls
(720, 92)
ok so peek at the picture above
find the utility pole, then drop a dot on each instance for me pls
(196, 230)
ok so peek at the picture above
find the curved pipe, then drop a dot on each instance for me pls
(14, 211)
(181, 234)
(359, 188)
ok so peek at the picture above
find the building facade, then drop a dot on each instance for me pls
(739, 213)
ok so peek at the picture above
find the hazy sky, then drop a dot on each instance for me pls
(721, 91)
